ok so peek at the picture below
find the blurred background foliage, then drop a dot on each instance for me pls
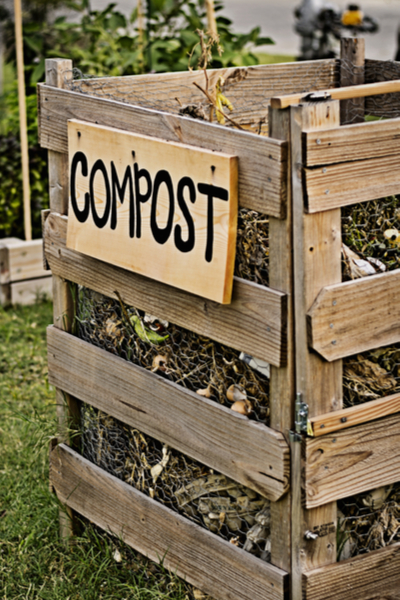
(100, 43)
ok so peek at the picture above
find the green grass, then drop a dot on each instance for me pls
(272, 59)
(34, 563)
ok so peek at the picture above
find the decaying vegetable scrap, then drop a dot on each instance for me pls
(229, 509)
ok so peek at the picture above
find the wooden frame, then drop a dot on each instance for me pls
(351, 450)
(200, 428)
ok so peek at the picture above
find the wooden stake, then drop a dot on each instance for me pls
(22, 119)
(352, 55)
(211, 20)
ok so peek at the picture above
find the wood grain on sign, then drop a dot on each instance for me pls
(165, 210)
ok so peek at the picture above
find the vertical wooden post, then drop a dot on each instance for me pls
(19, 45)
(211, 20)
(282, 388)
(352, 72)
(317, 263)
(57, 73)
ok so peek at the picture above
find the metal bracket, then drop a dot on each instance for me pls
(301, 414)
(294, 437)
(316, 97)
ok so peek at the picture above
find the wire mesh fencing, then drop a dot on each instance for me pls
(230, 510)
(368, 521)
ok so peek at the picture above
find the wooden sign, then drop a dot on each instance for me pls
(162, 209)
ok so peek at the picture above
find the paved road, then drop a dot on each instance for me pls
(276, 20)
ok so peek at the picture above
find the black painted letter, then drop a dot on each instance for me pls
(160, 234)
(100, 222)
(141, 197)
(179, 242)
(120, 190)
(211, 191)
(83, 214)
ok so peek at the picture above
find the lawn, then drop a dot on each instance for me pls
(34, 563)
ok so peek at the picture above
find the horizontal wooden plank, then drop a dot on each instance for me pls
(355, 415)
(20, 259)
(352, 461)
(241, 83)
(31, 290)
(194, 425)
(254, 322)
(356, 316)
(346, 183)
(361, 141)
(262, 160)
(372, 576)
(205, 560)
(343, 93)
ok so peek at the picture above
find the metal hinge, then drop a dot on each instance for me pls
(301, 414)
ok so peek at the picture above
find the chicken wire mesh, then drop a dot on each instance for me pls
(230, 510)
(368, 521)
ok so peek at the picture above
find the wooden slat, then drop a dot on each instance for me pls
(352, 461)
(262, 161)
(372, 576)
(347, 183)
(30, 291)
(200, 557)
(343, 93)
(201, 428)
(355, 415)
(254, 322)
(356, 316)
(362, 141)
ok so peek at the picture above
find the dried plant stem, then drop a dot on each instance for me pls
(210, 98)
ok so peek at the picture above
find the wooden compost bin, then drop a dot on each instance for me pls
(303, 325)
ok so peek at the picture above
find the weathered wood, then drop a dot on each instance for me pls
(165, 210)
(355, 415)
(201, 428)
(21, 260)
(350, 182)
(242, 86)
(282, 392)
(352, 59)
(254, 322)
(352, 461)
(372, 576)
(363, 141)
(388, 105)
(262, 161)
(343, 93)
(317, 247)
(355, 316)
(58, 73)
(190, 551)
(30, 291)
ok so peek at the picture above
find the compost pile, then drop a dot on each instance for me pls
(233, 511)
(371, 231)
(368, 521)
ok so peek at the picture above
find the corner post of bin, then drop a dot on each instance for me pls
(57, 73)
(282, 389)
(316, 263)
(352, 72)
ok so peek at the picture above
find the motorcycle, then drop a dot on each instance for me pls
(320, 23)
